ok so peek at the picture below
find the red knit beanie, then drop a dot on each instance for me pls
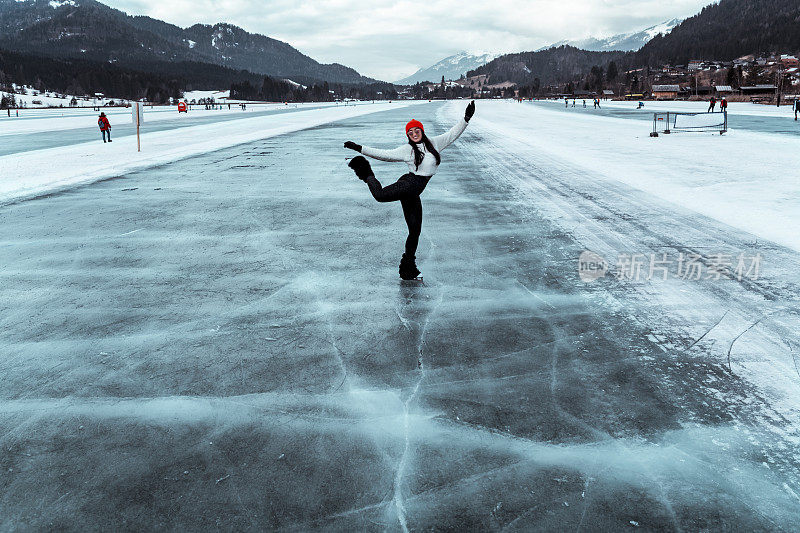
(414, 124)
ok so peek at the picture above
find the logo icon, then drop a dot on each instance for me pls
(591, 266)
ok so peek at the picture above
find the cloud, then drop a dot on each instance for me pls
(389, 39)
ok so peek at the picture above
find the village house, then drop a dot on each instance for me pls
(666, 92)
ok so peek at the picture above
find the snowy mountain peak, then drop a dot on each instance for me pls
(663, 28)
(451, 67)
(624, 41)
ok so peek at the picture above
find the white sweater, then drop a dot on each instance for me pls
(406, 154)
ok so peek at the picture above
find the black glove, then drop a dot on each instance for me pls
(353, 146)
(470, 111)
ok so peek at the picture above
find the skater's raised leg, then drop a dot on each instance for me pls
(405, 186)
(391, 193)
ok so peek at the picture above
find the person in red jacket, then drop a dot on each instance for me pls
(105, 126)
(723, 105)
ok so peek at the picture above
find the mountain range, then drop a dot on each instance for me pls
(455, 66)
(84, 41)
(87, 29)
(626, 42)
(722, 31)
(451, 68)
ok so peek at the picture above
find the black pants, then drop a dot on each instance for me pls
(407, 190)
(106, 132)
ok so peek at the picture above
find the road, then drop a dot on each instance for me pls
(222, 343)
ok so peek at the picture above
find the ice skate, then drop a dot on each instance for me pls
(361, 167)
(408, 268)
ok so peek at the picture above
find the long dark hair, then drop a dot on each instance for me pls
(419, 156)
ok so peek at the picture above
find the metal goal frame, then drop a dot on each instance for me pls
(670, 119)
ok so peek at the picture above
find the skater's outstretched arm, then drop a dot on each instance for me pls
(401, 153)
(446, 139)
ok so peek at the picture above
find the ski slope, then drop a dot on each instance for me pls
(221, 342)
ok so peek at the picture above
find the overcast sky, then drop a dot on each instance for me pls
(390, 39)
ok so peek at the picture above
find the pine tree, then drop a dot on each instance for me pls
(612, 73)
(730, 77)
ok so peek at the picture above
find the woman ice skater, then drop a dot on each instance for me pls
(421, 154)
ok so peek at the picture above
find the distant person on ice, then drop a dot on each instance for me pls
(796, 108)
(105, 126)
(712, 105)
(723, 105)
(421, 154)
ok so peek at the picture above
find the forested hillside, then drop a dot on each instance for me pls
(87, 29)
(157, 81)
(554, 65)
(160, 81)
(725, 31)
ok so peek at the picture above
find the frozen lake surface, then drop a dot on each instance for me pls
(221, 342)
(742, 116)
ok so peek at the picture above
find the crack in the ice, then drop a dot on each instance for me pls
(398, 488)
(398, 498)
(730, 348)
(587, 501)
(535, 295)
(521, 516)
(601, 435)
(717, 323)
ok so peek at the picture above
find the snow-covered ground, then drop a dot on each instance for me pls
(744, 179)
(197, 95)
(45, 120)
(30, 99)
(220, 341)
(27, 96)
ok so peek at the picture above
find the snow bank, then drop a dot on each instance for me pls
(33, 173)
(197, 95)
(745, 179)
(38, 120)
